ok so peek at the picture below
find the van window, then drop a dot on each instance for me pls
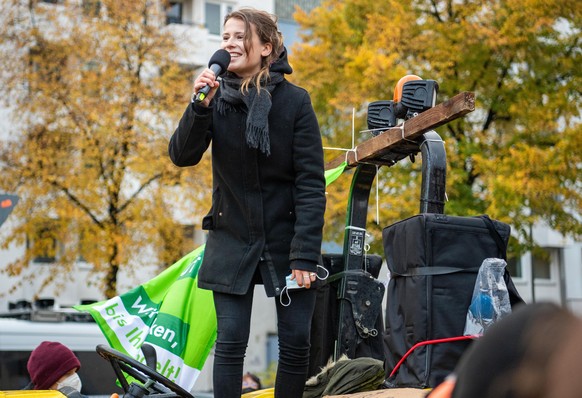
(96, 373)
(19, 337)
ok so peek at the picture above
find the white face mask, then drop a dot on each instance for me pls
(72, 381)
(292, 284)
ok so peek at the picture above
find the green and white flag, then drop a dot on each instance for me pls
(168, 312)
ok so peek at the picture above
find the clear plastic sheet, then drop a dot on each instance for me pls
(490, 300)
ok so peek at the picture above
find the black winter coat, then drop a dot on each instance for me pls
(267, 211)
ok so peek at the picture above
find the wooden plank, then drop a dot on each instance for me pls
(454, 108)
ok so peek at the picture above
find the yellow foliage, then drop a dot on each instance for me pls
(95, 101)
(516, 156)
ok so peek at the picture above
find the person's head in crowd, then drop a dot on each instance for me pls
(565, 366)
(52, 366)
(535, 352)
(250, 383)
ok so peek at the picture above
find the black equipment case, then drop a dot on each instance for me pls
(433, 260)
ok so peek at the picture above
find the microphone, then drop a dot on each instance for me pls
(218, 64)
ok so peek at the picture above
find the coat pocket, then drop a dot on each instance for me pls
(209, 220)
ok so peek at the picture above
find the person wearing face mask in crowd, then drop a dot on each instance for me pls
(250, 383)
(268, 200)
(53, 366)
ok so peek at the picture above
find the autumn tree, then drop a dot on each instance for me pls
(516, 157)
(95, 91)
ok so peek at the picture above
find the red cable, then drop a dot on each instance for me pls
(427, 342)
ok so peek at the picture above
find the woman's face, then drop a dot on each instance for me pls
(242, 63)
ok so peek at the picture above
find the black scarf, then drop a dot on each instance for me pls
(257, 107)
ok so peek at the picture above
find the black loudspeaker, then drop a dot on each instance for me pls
(433, 261)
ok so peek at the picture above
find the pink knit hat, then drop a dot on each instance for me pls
(49, 362)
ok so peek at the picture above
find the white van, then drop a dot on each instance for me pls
(19, 337)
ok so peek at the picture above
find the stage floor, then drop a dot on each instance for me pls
(389, 393)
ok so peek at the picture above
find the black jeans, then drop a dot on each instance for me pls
(293, 323)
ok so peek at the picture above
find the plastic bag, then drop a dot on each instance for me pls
(490, 300)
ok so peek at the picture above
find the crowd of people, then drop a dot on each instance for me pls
(535, 352)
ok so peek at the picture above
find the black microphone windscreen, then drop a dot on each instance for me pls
(220, 58)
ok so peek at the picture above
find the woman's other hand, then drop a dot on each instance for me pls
(303, 278)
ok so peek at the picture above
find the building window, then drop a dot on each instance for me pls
(285, 9)
(47, 62)
(514, 267)
(91, 8)
(187, 238)
(88, 244)
(542, 263)
(44, 244)
(272, 348)
(174, 12)
(214, 14)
